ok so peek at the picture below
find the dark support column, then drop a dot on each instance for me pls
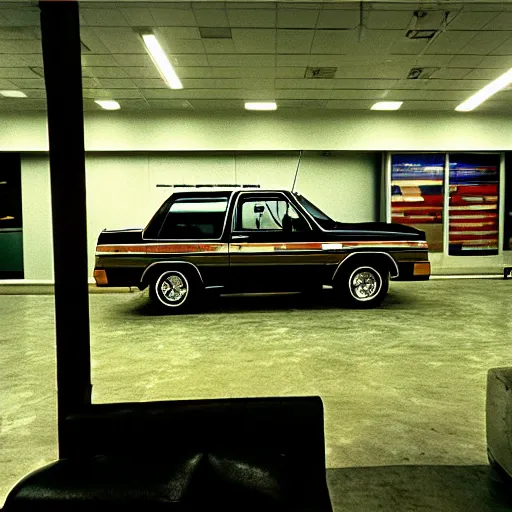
(60, 33)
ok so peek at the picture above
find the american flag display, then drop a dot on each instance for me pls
(417, 194)
(473, 215)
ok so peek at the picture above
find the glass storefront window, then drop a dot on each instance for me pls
(417, 194)
(474, 191)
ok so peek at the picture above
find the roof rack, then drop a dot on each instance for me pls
(210, 185)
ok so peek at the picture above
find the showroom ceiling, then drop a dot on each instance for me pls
(430, 56)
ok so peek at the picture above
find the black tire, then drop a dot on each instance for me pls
(362, 285)
(172, 291)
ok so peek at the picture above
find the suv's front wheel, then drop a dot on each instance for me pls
(362, 285)
(171, 291)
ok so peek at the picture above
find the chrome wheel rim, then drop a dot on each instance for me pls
(364, 284)
(173, 289)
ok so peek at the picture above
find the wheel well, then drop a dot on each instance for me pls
(382, 260)
(155, 269)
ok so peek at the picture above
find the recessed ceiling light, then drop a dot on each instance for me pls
(161, 61)
(485, 93)
(260, 105)
(387, 105)
(13, 94)
(108, 104)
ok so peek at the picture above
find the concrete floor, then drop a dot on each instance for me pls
(403, 386)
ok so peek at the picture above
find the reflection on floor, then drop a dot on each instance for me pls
(403, 386)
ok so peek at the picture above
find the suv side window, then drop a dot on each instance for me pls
(270, 214)
(195, 218)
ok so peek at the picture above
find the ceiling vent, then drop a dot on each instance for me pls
(421, 73)
(320, 72)
(420, 34)
(215, 32)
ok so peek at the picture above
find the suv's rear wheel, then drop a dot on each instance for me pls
(171, 291)
(362, 285)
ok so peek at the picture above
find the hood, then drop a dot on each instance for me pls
(388, 228)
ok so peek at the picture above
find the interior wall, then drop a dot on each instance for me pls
(122, 191)
(326, 130)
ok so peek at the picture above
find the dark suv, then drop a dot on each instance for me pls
(248, 240)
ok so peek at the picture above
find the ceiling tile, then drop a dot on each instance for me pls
(338, 18)
(348, 83)
(194, 72)
(333, 41)
(100, 17)
(229, 83)
(138, 16)
(502, 21)
(119, 40)
(247, 72)
(171, 34)
(211, 17)
(111, 93)
(141, 83)
(450, 73)
(199, 83)
(20, 105)
(258, 83)
(349, 104)
(460, 85)
(133, 60)
(389, 20)
(92, 41)
(177, 46)
(219, 105)
(98, 60)
(104, 72)
(256, 95)
(165, 93)
(254, 40)
(241, 60)
(219, 45)
(465, 61)
(292, 60)
(497, 61)
(467, 20)
(289, 93)
(317, 94)
(429, 105)
(117, 83)
(251, 18)
(484, 74)
(27, 83)
(350, 94)
(375, 42)
(485, 42)
(290, 72)
(297, 18)
(17, 72)
(432, 61)
(19, 33)
(405, 46)
(19, 60)
(169, 104)
(21, 46)
(22, 16)
(451, 42)
(197, 59)
(294, 41)
(505, 48)
(173, 17)
(329, 61)
(6, 84)
(304, 83)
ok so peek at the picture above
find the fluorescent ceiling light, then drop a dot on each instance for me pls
(161, 61)
(260, 105)
(13, 94)
(485, 93)
(387, 105)
(108, 104)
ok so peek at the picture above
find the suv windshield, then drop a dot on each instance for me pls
(322, 219)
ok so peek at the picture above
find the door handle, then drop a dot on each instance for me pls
(239, 237)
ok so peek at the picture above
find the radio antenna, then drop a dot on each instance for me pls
(297, 171)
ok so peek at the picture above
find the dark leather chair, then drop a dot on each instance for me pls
(259, 454)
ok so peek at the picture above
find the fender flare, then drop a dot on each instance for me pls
(365, 253)
(170, 263)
